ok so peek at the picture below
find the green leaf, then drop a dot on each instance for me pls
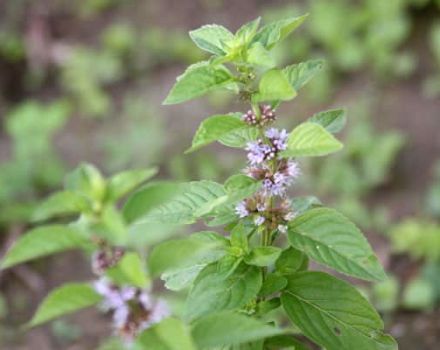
(333, 313)
(129, 270)
(304, 203)
(311, 140)
(290, 261)
(42, 241)
(60, 204)
(274, 32)
(125, 182)
(262, 256)
(332, 120)
(192, 198)
(299, 74)
(258, 55)
(214, 128)
(228, 328)
(212, 291)
(169, 334)
(64, 300)
(239, 137)
(272, 284)
(197, 80)
(331, 239)
(147, 198)
(182, 277)
(202, 247)
(246, 33)
(284, 342)
(239, 236)
(274, 86)
(87, 181)
(241, 186)
(212, 38)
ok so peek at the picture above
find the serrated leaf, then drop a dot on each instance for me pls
(274, 32)
(212, 38)
(169, 334)
(129, 271)
(311, 140)
(213, 292)
(60, 204)
(147, 198)
(42, 241)
(64, 300)
(299, 74)
(190, 198)
(228, 328)
(197, 80)
(329, 238)
(121, 184)
(238, 138)
(274, 86)
(333, 313)
(332, 120)
(246, 32)
(202, 247)
(214, 128)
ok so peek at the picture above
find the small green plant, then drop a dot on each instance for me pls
(237, 281)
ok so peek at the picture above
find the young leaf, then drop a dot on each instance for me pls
(246, 33)
(229, 328)
(87, 181)
(259, 56)
(64, 300)
(129, 270)
(197, 80)
(147, 198)
(202, 247)
(42, 241)
(311, 140)
(212, 291)
(125, 182)
(183, 207)
(212, 38)
(214, 128)
(333, 313)
(274, 86)
(331, 239)
(299, 74)
(61, 203)
(332, 120)
(169, 334)
(272, 33)
(263, 256)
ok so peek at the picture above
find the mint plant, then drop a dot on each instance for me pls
(242, 284)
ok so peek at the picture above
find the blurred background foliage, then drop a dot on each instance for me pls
(84, 81)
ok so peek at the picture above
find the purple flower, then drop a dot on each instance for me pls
(249, 118)
(258, 152)
(278, 138)
(292, 169)
(259, 220)
(241, 209)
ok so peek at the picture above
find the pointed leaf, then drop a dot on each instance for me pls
(214, 291)
(198, 80)
(310, 140)
(212, 38)
(125, 182)
(299, 74)
(329, 238)
(273, 86)
(43, 241)
(333, 313)
(130, 270)
(64, 300)
(332, 120)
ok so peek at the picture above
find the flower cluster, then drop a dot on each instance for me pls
(267, 116)
(133, 309)
(276, 175)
